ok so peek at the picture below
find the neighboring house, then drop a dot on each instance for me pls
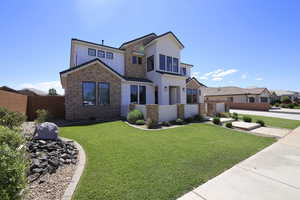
(237, 95)
(32, 92)
(103, 81)
(280, 94)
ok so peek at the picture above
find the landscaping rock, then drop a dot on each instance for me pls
(46, 131)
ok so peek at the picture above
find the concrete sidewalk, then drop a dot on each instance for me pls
(271, 174)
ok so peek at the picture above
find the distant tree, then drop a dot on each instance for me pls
(52, 92)
(286, 100)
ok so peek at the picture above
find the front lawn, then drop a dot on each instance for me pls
(131, 164)
(275, 122)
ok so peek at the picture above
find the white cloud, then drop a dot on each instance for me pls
(259, 79)
(43, 86)
(244, 76)
(216, 75)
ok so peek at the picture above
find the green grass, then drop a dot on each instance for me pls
(275, 122)
(131, 164)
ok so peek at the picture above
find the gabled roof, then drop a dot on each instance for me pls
(32, 92)
(167, 33)
(193, 78)
(285, 93)
(231, 90)
(8, 89)
(108, 67)
(136, 39)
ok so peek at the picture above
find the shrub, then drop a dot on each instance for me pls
(199, 118)
(228, 125)
(12, 174)
(247, 119)
(151, 124)
(284, 105)
(261, 122)
(216, 120)
(42, 116)
(286, 100)
(235, 116)
(291, 105)
(140, 122)
(134, 115)
(189, 119)
(277, 104)
(10, 137)
(166, 123)
(172, 122)
(179, 121)
(11, 119)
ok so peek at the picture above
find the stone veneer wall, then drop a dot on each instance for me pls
(75, 110)
(180, 111)
(152, 112)
(202, 110)
(135, 70)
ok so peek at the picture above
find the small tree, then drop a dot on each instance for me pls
(52, 92)
(286, 100)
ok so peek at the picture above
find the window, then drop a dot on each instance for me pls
(162, 62)
(150, 63)
(138, 94)
(191, 96)
(134, 94)
(109, 55)
(101, 54)
(134, 59)
(142, 94)
(103, 93)
(89, 93)
(264, 99)
(169, 63)
(92, 52)
(140, 60)
(175, 65)
(183, 71)
(251, 99)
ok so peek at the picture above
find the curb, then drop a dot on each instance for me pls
(77, 174)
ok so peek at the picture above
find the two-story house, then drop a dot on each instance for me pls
(103, 81)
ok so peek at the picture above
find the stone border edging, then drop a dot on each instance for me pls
(77, 174)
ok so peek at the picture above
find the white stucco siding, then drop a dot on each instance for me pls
(117, 63)
(191, 110)
(167, 112)
(168, 81)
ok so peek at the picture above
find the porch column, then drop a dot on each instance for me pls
(152, 112)
(180, 111)
(202, 110)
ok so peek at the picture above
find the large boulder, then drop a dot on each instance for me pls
(46, 131)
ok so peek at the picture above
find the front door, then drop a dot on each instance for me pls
(173, 95)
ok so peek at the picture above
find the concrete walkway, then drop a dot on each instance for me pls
(285, 110)
(267, 114)
(272, 174)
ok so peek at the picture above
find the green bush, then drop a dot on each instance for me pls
(151, 124)
(179, 121)
(10, 137)
(11, 119)
(189, 119)
(228, 125)
(199, 118)
(235, 116)
(42, 116)
(134, 115)
(140, 122)
(166, 123)
(277, 104)
(216, 120)
(286, 100)
(12, 173)
(261, 122)
(247, 119)
(291, 105)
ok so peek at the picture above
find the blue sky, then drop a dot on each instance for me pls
(230, 42)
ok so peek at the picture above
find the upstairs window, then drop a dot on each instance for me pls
(103, 93)
(89, 93)
(183, 71)
(150, 63)
(169, 63)
(140, 60)
(175, 65)
(134, 60)
(101, 54)
(162, 62)
(109, 55)
(91, 52)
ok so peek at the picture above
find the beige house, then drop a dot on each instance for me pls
(237, 95)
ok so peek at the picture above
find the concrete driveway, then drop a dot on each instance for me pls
(271, 174)
(267, 114)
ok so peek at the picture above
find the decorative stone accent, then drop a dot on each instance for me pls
(202, 110)
(152, 112)
(180, 111)
(211, 109)
(46, 131)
